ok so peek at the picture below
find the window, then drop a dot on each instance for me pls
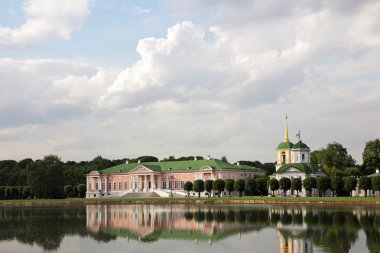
(182, 183)
(303, 157)
(119, 185)
(163, 184)
(114, 186)
(170, 184)
(176, 184)
(96, 186)
(126, 186)
(109, 186)
(102, 187)
(283, 157)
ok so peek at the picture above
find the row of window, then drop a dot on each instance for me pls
(121, 186)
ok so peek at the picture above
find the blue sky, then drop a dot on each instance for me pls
(128, 78)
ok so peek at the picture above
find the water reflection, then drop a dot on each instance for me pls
(298, 229)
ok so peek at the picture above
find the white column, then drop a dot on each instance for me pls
(138, 183)
(159, 181)
(167, 182)
(152, 181)
(133, 183)
(145, 183)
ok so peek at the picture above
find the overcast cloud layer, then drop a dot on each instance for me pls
(219, 82)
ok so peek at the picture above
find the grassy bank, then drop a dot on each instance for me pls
(213, 200)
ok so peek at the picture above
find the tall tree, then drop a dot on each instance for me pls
(371, 157)
(365, 184)
(229, 185)
(218, 185)
(296, 184)
(349, 184)
(376, 183)
(239, 186)
(274, 185)
(334, 158)
(337, 185)
(199, 186)
(250, 186)
(45, 177)
(188, 186)
(208, 186)
(285, 184)
(323, 184)
(262, 186)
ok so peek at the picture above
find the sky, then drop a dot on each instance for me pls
(120, 79)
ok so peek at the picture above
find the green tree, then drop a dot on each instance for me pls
(285, 184)
(218, 185)
(81, 190)
(376, 183)
(323, 184)
(349, 184)
(296, 184)
(274, 185)
(315, 157)
(26, 192)
(8, 192)
(250, 186)
(334, 158)
(199, 186)
(188, 186)
(371, 157)
(208, 186)
(69, 191)
(2, 192)
(337, 185)
(229, 185)
(14, 192)
(45, 177)
(262, 186)
(239, 186)
(309, 184)
(365, 184)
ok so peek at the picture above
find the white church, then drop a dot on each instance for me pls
(293, 161)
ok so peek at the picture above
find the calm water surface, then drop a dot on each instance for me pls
(189, 228)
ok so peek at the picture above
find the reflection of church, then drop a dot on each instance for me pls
(292, 237)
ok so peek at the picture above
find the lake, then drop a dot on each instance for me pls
(189, 228)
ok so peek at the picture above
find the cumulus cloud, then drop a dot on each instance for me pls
(36, 91)
(45, 19)
(221, 86)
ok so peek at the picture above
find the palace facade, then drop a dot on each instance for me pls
(161, 178)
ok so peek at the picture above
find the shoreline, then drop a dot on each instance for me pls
(329, 201)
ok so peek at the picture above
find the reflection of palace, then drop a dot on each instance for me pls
(150, 221)
(161, 178)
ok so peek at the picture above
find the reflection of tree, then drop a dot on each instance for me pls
(43, 226)
(333, 229)
(371, 226)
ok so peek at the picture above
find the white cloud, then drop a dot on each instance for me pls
(44, 20)
(221, 87)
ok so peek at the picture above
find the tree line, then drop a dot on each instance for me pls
(53, 178)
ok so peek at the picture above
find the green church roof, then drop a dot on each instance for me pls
(189, 165)
(300, 145)
(304, 167)
(285, 145)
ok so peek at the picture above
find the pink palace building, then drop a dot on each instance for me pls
(160, 178)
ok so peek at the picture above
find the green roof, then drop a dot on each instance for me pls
(374, 175)
(300, 145)
(285, 145)
(304, 167)
(189, 165)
